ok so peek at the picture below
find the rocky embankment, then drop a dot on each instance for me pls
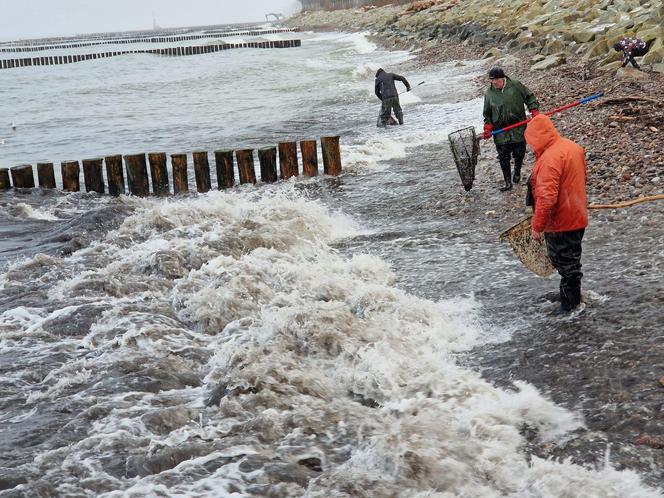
(562, 51)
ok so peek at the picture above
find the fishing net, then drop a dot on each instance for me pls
(465, 149)
(531, 252)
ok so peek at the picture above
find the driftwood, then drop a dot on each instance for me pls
(622, 118)
(625, 100)
(657, 197)
(427, 4)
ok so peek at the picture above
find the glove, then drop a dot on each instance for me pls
(408, 89)
(534, 112)
(487, 131)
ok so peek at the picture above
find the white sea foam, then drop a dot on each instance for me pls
(425, 124)
(22, 210)
(316, 353)
(364, 71)
(358, 43)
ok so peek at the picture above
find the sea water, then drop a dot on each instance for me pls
(296, 339)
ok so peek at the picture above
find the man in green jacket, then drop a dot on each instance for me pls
(504, 103)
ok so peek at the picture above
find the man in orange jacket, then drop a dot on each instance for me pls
(558, 186)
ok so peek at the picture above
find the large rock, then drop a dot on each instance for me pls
(493, 52)
(582, 33)
(549, 62)
(554, 47)
(612, 66)
(597, 49)
(656, 52)
(630, 73)
(647, 33)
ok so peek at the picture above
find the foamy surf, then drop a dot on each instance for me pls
(232, 351)
(26, 211)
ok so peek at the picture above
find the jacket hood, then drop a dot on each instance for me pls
(540, 133)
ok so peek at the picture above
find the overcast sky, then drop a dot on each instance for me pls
(37, 18)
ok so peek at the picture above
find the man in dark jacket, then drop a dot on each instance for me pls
(631, 47)
(504, 103)
(386, 91)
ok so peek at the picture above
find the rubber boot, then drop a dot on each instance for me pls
(506, 176)
(570, 296)
(516, 177)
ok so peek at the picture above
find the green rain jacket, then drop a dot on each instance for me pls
(505, 107)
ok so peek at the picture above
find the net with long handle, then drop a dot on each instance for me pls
(465, 150)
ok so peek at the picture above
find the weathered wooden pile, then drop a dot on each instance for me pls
(170, 51)
(138, 182)
(38, 47)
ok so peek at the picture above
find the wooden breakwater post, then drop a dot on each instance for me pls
(245, 165)
(288, 160)
(115, 175)
(268, 161)
(46, 175)
(180, 180)
(309, 151)
(331, 155)
(139, 183)
(224, 165)
(202, 171)
(159, 173)
(22, 176)
(70, 172)
(137, 175)
(93, 176)
(5, 184)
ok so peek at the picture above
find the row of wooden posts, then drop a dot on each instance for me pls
(146, 39)
(136, 168)
(171, 51)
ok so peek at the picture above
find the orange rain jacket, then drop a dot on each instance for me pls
(558, 180)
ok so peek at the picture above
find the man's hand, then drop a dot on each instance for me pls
(534, 112)
(487, 131)
(536, 235)
(408, 89)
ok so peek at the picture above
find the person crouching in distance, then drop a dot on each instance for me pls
(632, 47)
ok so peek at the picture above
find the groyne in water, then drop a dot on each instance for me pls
(145, 39)
(171, 51)
(136, 169)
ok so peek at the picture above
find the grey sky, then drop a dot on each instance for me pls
(36, 18)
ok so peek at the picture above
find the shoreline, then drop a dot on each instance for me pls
(622, 132)
(601, 368)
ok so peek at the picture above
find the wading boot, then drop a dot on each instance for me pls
(516, 177)
(506, 176)
(570, 296)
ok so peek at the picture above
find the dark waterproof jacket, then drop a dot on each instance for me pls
(505, 107)
(385, 87)
(558, 179)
